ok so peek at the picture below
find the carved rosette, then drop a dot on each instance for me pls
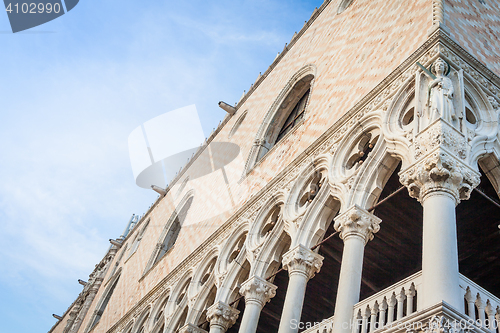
(441, 164)
(301, 260)
(190, 328)
(257, 290)
(357, 222)
(222, 315)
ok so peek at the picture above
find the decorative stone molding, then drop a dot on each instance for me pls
(190, 328)
(440, 134)
(258, 290)
(357, 222)
(440, 151)
(437, 12)
(301, 260)
(222, 315)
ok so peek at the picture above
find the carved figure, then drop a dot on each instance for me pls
(440, 101)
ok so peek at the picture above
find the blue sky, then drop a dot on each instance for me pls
(72, 90)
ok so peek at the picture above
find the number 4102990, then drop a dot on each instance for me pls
(33, 8)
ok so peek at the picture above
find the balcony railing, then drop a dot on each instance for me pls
(401, 300)
(481, 306)
(388, 305)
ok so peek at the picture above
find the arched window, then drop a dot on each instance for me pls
(117, 264)
(294, 117)
(137, 240)
(105, 300)
(289, 113)
(173, 231)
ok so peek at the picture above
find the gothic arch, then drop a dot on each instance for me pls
(483, 134)
(202, 288)
(159, 311)
(233, 266)
(311, 203)
(273, 120)
(265, 221)
(141, 323)
(266, 259)
(128, 327)
(399, 122)
(179, 304)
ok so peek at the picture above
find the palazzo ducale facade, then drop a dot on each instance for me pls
(354, 188)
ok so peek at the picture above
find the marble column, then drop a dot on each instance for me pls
(356, 227)
(439, 179)
(257, 293)
(301, 264)
(221, 317)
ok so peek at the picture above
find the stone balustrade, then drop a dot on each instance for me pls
(481, 306)
(388, 305)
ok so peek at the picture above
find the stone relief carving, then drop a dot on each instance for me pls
(440, 171)
(302, 260)
(440, 135)
(357, 222)
(441, 93)
(258, 290)
(222, 315)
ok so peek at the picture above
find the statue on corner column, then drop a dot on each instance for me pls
(440, 95)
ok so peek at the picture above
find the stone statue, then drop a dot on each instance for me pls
(440, 98)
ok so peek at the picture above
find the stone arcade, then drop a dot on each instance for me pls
(364, 197)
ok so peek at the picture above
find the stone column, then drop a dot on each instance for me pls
(356, 227)
(221, 317)
(301, 264)
(257, 293)
(439, 179)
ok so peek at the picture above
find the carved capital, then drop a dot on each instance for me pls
(440, 154)
(190, 328)
(357, 222)
(301, 260)
(222, 315)
(258, 290)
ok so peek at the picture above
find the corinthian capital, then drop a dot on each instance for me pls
(258, 290)
(357, 222)
(440, 164)
(222, 315)
(301, 260)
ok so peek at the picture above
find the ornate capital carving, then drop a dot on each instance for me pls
(190, 328)
(222, 315)
(357, 222)
(302, 260)
(440, 153)
(258, 290)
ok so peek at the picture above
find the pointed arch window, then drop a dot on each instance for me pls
(288, 115)
(104, 302)
(294, 117)
(174, 229)
(137, 240)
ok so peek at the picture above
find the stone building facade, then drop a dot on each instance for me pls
(352, 189)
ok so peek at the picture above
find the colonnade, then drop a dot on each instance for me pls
(356, 227)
